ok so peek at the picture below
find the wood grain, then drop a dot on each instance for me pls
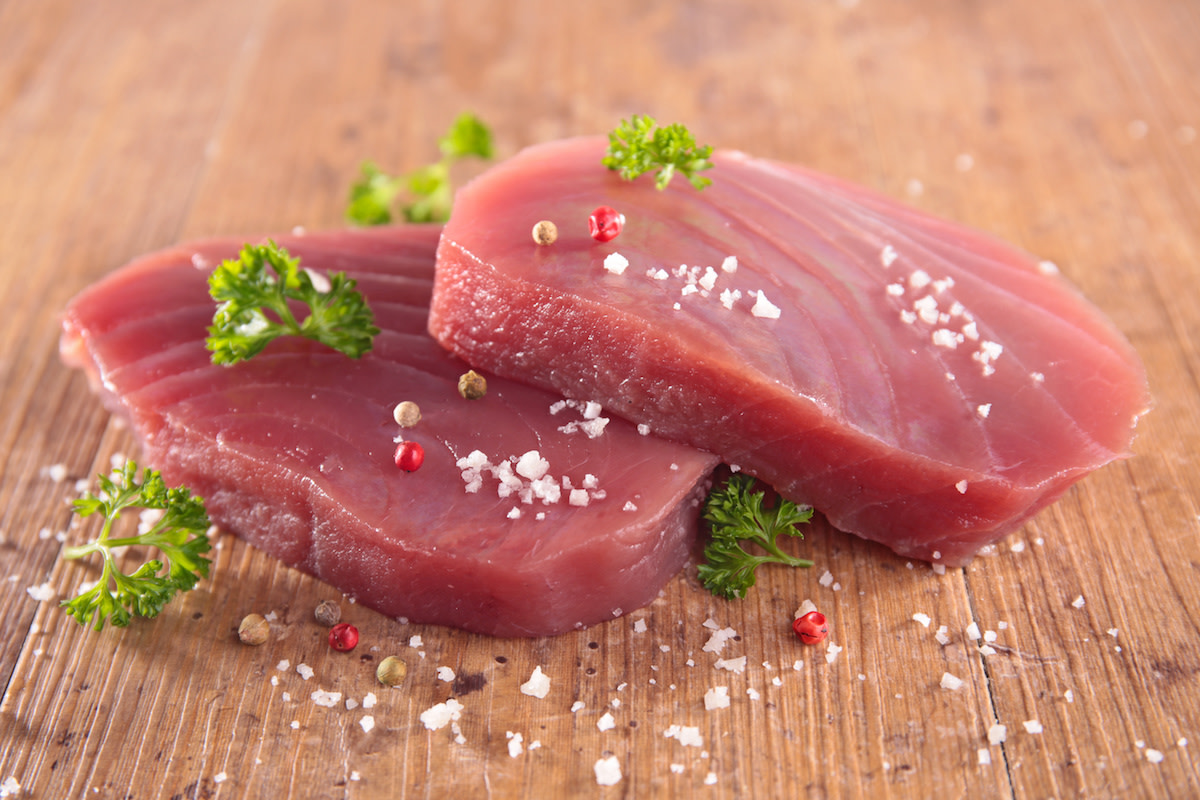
(1069, 128)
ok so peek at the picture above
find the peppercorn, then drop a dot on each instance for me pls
(409, 456)
(605, 224)
(545, 232)
(328, 613)
(472, 385)
(343, 637)
(254, 629)
(406, 414)
(811, 628)
(391, 671)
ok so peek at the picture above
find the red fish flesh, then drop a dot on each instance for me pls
(530, 515)
(922, 384)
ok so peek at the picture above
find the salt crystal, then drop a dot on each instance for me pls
(639, 626)
(1113, 632)
(367, 723)
(616, 263)
(10, 787)
(1032, 726)
(608, 771)
(305, 671)
(732, 664)
(1069, 695)
(826, 578)
(440, 715)
(284, 665)
(578, 705)
(832, 653)
(1154, 756)
(351, 704)
(606, 722)
(887, 255)
(370, 700)
(515, 744)
(961, 486)
(806, 606)
(764, 308)
(532, 466)
(997, 734)
(983, 410)
(445, 674)
(220, 777)
(942, 637)
(730, 264)
(716, 697)
(1078, 602)
(688, 736)
(677, 769)
(538, 684)
(951, 682)
(984, 755)
(43, 593)
(326, 699)
(716, 642)
(710, 779)
(1018, 547)
(973, 631)
(922, 618)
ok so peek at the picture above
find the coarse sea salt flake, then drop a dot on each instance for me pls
(997, 734)
(888, 255)
(442, 714)
(686, 735)
(445, 674)
(984, 756)
(608, 771)
(983, 410)
(764, 308)
(616, 263)
(43, 593)
(1032, 726)
(606, 722)
(538, 684)
(961, 486)
(326, 699)
(832, 653)
(922, 618)
(367, 723)
(716, 697)
(951, 682)
(305, 671)
(973, 631)
(730, 264)
(1154, 756)
(1078, 602)
(731, 664)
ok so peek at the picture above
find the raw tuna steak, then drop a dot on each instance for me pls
(922, 384)
(530, 516)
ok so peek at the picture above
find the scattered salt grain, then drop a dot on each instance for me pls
(1154, 756)
(326, 699)
(710, 779)
(943, 638)
(951, 682)
(220, 777)
(677, 769)
(42, 593)
(737, 665)
(688, 736)
(1069, 696)
(983, 410)
(284, 665)
(538, 684)
(1018, 547)
(608, 771)
(578, 705)
(826, 578)
(764, 308)
(416, 641)
(367, 723)
(643, 429)
(922, 618)
(351, 704)
(797, 665)
(514, 513)
(1032, 726)
(961, 486)
(295, 725)
(606, 722)
(997, 734)
(639, 626)
(716, 642)
(1078, 602)
(984, 756)
(888, 255)
(305, 671)
(973, 631)
(440, 715)
(616, 263)
(805, 607)
(730, 264)
(716, 697)
(370, 700)
(1183, 742)
(1113, 632)
(515, 744)
(10, 787)
(938, 569)
(832, 653)
(445, 674)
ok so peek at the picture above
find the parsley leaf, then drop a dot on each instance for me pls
(180, 533)
(736, 515)
(253, 306)
(636, 147)
(429, 188)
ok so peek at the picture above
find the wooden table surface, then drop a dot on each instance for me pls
(1068, 128)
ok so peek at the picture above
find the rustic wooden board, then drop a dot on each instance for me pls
(1069, 128)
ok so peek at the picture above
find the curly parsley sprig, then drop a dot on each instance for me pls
(429, 188)
(180, 533)
(636, 147)
(736, 515)
(253, 293)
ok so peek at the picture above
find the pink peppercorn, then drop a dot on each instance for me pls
(410, 456)
(343, 637)
(811, 628)
(605, 224)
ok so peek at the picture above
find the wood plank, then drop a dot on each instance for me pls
(125, 130)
